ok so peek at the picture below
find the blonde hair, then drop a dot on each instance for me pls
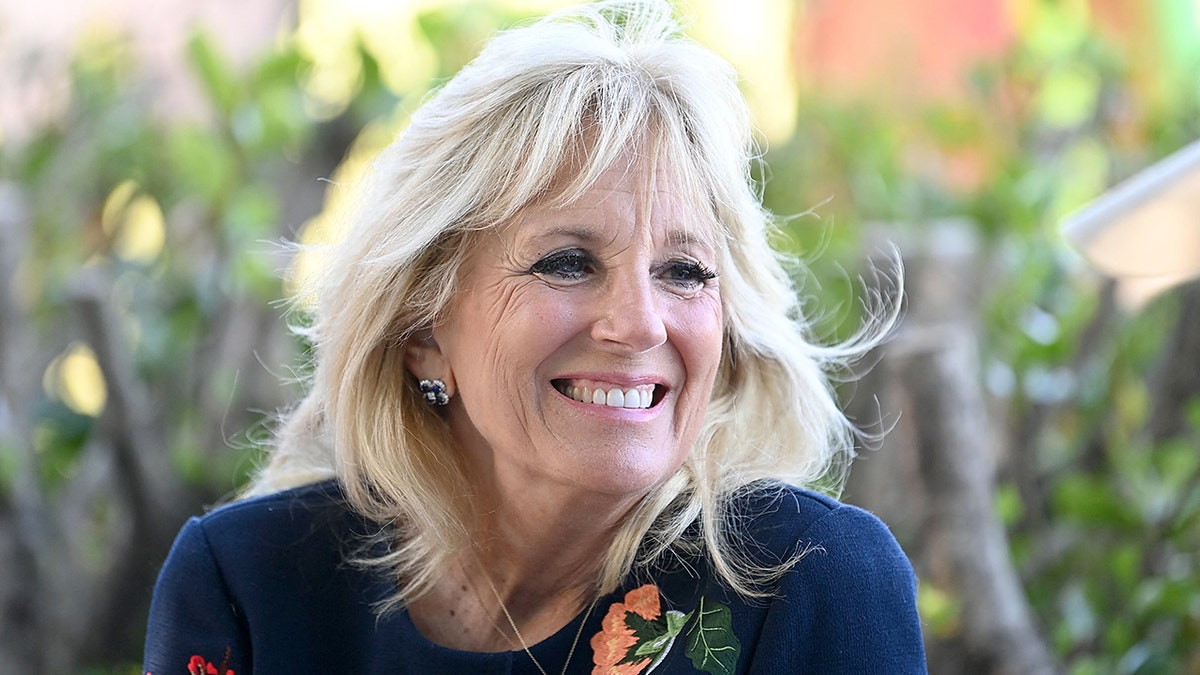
(576, 89)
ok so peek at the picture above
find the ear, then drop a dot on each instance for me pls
(423, 358)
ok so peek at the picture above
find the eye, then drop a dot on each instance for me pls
(686, 274)
(569, 265)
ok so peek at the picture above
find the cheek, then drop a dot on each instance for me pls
(542, 319)
(513, 330)
(553, 313)
(699, 337)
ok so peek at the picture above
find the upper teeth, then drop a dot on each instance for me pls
(611, 396)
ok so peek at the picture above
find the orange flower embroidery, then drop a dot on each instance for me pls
(613, 647)
(612, 643)
(636, 635)
(644, 602)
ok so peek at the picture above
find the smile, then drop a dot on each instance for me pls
(611, 395)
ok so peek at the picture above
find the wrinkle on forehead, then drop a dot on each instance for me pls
(658, 151)
(653, 180)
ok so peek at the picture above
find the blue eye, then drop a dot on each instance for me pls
(687, 274)
(569, 265)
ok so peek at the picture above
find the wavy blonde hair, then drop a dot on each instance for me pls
(575, 89)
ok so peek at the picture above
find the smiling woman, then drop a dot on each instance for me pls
(601, 295)
(562, 386)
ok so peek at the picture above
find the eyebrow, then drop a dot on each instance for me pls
(580, 232)
(679, 237)
(684, 238)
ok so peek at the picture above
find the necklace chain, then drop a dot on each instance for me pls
(525, 645)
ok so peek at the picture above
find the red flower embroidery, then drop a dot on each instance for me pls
(198, 666)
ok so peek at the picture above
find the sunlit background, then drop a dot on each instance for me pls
(155, 157)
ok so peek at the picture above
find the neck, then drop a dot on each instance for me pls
(535, 562)
(540, 551)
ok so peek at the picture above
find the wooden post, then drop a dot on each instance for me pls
(930, 376)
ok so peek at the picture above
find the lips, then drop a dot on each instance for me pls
(596, 392)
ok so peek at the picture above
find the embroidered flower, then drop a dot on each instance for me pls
(198, 666)
(644, 602)
(612, 644)
(636, 635)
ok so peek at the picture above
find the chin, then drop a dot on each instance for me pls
(629, 473)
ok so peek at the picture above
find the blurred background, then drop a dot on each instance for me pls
(1041, 467)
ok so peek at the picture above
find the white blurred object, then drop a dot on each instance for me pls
(1145, 231)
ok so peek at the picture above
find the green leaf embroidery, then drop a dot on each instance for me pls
(654, 638)
(644, 629)
(711, 645)
(676, 621)
(662, 642)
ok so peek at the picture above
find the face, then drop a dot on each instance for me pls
(585, 341)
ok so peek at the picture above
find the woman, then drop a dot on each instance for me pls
(561, 396)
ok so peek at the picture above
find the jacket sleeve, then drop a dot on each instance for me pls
(848, 606)
(194, 624)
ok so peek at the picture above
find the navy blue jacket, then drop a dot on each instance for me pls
(267, 586)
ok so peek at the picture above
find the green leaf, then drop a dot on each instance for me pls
(941, 610)
(644, 629)
(202, 165)
(215, 73)
(711, 645)
(654, 647)
(1090, 500)
(661, 643)
(676, 621)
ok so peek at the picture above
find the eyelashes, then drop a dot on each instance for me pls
(575, 265)
(568, 265)
(687, 272)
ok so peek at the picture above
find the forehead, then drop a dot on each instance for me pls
(632, 190)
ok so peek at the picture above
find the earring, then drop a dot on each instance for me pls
(435, 392)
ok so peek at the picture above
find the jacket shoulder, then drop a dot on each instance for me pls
(297, 503)
(847, 604)
(271, 579)
(776, 523)
(776, 516)
(290, 514)
(306, 532)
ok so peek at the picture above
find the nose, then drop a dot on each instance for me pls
(629, 317)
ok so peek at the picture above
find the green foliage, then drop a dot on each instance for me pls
(58, 439)
(215, 175)
(1103, 524)
(939, 611)
(1109, 556)
(1131, 533)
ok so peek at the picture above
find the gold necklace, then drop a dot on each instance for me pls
(525, 645)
